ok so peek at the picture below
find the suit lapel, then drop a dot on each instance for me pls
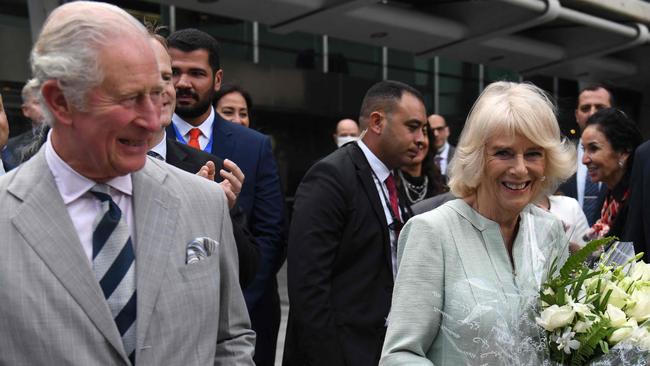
(156, 213)
(223, 142)
(177, 157)
(43, 221)
(364, 174)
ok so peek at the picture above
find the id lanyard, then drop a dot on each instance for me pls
(180, 138)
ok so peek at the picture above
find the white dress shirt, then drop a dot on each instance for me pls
(581, 175)
(2, 169)
(381, 172)
(443, 153)
(205, 127)
(161, 148)
(82, 205)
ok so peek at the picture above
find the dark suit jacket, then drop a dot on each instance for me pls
(570, 189)
(339, 265)
(191, 160)
(260, 198)
(637, 227)
(12, 154)
(450, 155)
(432, 203)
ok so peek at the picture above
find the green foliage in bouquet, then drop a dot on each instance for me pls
(586, 310)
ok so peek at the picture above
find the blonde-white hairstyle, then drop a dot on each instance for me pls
(67, 50)
(507, 108)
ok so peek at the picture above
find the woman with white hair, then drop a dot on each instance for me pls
(467, 268)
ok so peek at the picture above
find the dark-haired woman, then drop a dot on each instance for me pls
(422, 178)
(610, 140)
(234, 104)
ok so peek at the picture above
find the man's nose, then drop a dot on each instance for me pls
(149, 109)
(183, 81)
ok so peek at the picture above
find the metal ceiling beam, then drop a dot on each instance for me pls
(295, 23)
(642, 37)
(550, 12)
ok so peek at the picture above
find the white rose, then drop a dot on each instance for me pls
(555, 317)
(582, 309)
(623, 332)
(641, 271)
(616, 316)
(639, 308)
(582, 326)
(618, 297)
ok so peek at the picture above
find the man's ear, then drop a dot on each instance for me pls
(218, 76)
(56, 102)
(375, 122)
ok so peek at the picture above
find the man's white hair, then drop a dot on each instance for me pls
(67, 50)
(30, 90)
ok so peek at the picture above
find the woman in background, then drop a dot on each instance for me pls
(422, 178)
(610, 139)
(234, 104)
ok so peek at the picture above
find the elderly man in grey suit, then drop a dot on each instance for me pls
(107, 257)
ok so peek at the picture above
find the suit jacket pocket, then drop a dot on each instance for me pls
(202, 269)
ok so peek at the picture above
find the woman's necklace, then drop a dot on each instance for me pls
(419, 190)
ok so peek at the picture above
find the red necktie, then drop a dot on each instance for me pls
(392, 195)
(194, 138)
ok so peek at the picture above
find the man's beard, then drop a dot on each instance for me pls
(193, 111)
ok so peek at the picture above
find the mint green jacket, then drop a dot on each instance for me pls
(458, 298)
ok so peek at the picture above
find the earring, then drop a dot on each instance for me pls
(542, 178)
(620, 164)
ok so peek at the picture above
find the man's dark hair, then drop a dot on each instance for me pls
(233, 88)
(384, 95)
(191, 39)
(621, 132)
(595, 86)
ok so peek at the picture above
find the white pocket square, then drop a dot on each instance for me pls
(200, 249)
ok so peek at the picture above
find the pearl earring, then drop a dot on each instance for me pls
(620, 164)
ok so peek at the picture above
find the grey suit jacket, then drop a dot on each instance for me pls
(53, 311)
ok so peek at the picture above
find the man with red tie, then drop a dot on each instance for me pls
(343, 237)
(197, 75)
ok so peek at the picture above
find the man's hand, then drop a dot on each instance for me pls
(233, 179)
(208, 171)
(4, 125)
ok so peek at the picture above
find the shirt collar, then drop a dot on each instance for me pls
(184, 127)
(73, 185)
(378, 167)
(161, 148)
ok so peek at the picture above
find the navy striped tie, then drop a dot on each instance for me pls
(114, 266)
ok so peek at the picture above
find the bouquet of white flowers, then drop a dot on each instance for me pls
(592, 314)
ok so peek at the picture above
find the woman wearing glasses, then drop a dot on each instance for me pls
(610, 139)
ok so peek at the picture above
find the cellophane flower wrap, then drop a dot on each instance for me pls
(597, 315)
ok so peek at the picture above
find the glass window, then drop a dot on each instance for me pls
(235, 35)
(354, 59)
(493, 74)
(296, 49)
